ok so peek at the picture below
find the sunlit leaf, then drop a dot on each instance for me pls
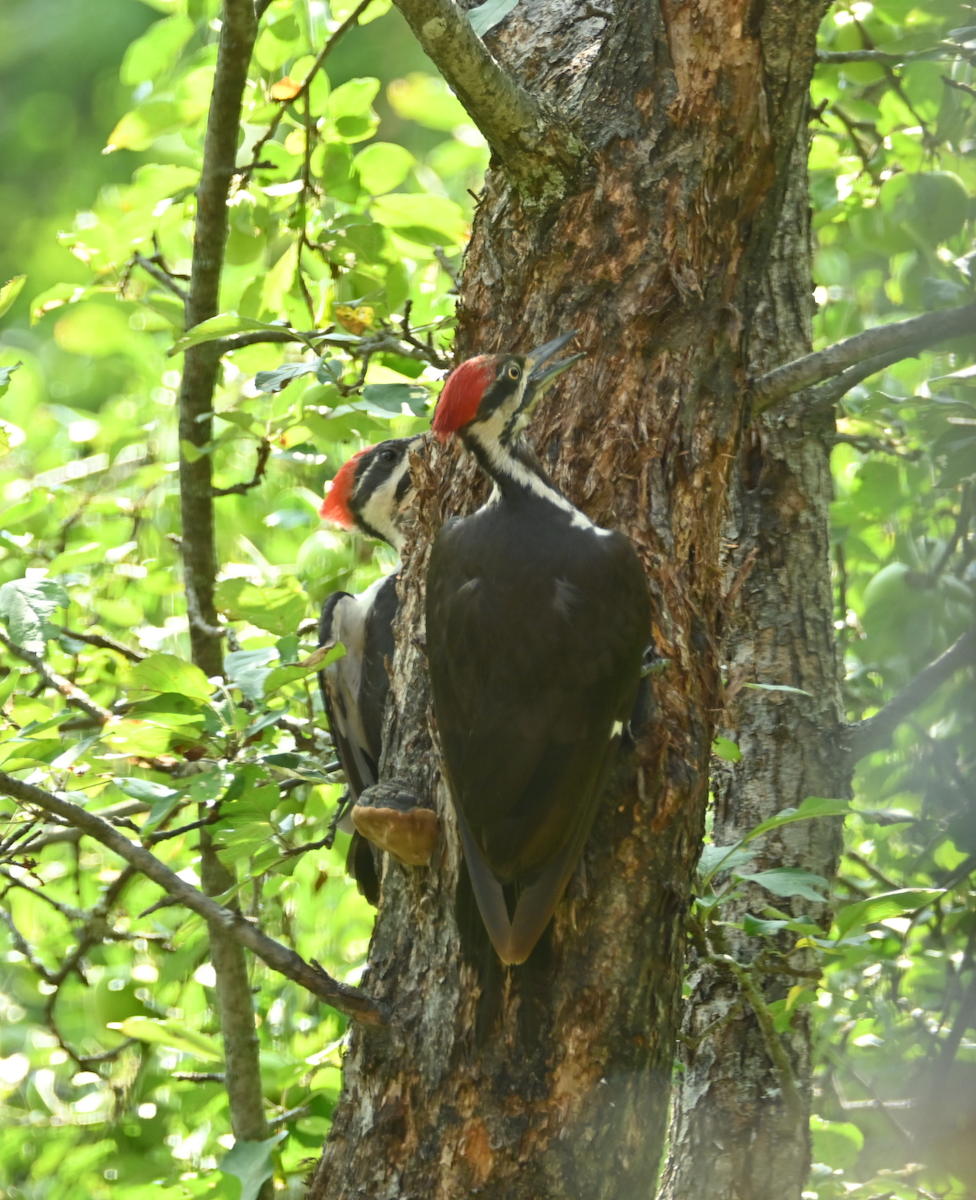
(789, 881)
(726, 749)
(251, 1163)
(171, 1033)
(880, 907)
(168, 673)
(10, 291)
(26, 606)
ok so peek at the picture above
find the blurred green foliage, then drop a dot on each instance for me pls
(109, 1054)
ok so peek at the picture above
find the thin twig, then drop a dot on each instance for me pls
(51, 679)
(883, 56)
(161, 275)
(103, 642)
(875, 732)
(959, 86)
(904, 337)
(871, 445)
(241, 489)
(349, 1000)
(771, 1039)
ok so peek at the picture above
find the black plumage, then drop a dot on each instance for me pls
(370, 493)
(536, 625)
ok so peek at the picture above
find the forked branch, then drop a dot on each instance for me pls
(534, 148)
(902, 339)
(349, 1000)
(874, 733)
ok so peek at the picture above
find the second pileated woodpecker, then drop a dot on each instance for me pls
(369, 492)
(537, 621)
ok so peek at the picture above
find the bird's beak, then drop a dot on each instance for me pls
(540, 375)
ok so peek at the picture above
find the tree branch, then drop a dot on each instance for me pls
(825, 395)
(351, 1001)
(866, 736)
(201, 363)
(536, 151)
(241, 489)
(103, 642)
(902, 339)
(161, 276)
(70, 691)
(883, 56)
(384, 342)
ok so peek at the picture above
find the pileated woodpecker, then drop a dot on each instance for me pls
(369, 492)
(537, 621)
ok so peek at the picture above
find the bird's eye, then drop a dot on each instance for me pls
(513, 372)
(389, 456)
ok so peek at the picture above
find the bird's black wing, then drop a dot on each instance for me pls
(379, 646)
(342, 620)
(534, 647)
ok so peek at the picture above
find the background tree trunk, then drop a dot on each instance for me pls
(733, 1134)
(659, 255)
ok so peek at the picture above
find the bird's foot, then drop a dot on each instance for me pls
(652, 663)
(393, 818)
(340, 820)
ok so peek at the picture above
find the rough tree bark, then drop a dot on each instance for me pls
(658, 251)
(734, 1134)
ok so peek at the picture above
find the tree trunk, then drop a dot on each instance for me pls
(657, 253)
(733, 1134)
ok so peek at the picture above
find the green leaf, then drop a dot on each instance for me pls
(757, 927)
(725, 858)
(5, 374)
(154, 53)
(812, 806)
(426, 219)
(8, 685)
(726, 749)
(274, 381)
(133, 737)
(836, 1143)
(394, 398)
(248, 669)
(138, 129)
(26, 606)
(427, 100)
(171, 1033)
(145, 789)
(168, 673)
(315, 662)
(383, 166)
(10, 291)
(887, 904)
(789, 881)
(353, 98)
(486, 16)
(277, 609)
(77, 556)
(251, 1163)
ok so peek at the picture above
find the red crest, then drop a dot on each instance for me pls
(462, 394)
(335, 506)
